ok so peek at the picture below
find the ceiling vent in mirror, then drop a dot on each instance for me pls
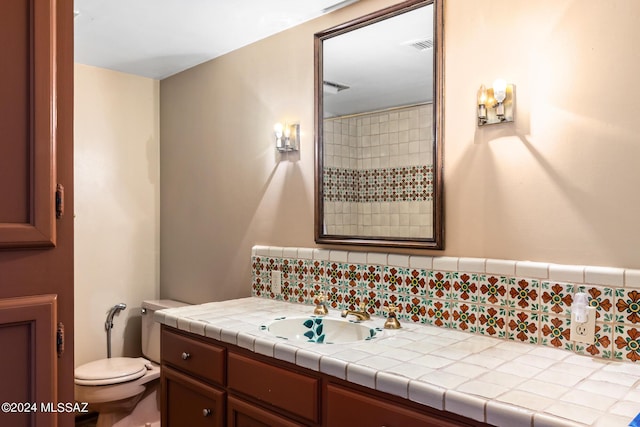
(333, 87)
(420, 44)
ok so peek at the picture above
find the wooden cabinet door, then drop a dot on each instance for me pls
(36, 154)
(188, 402)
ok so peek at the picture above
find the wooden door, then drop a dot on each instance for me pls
(23, 321)
(36, 155)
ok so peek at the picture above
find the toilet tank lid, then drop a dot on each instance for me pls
(159, 304)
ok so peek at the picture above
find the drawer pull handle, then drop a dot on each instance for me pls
(185, 355)
(206, 412)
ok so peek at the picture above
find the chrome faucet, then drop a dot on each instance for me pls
(360, 315)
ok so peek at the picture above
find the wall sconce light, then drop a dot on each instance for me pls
(287, 136)
(495, 105)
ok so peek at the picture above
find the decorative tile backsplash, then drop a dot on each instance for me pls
(514, 300)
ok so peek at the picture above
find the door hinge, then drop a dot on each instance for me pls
(59, 201)
(60, 339)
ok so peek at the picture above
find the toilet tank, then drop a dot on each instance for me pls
(150, 329)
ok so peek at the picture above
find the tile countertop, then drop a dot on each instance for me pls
(504, 383)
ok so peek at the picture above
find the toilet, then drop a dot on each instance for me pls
(116, 387)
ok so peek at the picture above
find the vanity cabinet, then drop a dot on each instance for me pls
(209, 383)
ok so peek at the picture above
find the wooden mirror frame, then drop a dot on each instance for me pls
(437, 241)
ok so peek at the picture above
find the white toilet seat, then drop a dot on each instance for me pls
(115, 370)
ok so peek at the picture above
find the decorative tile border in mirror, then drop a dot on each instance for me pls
(514, 300)
(406, 184)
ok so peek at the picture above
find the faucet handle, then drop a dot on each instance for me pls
(391, 309)
(392, 321)
(321, 306)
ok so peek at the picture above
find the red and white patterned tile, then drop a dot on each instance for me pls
(493, 290)
(286, 290)
(354, 275)
(524, 294)
(287, 268)
(393, 279)
(556, 298)
(626, 345)
(437, 313)
(317, 271)
(300, 293)
(555, 331)
(439, 284)
(523, 326)
(628, 307)
(257, 266)
(335, 297)
(335, 274)
(464, 288)
(492, 320)
(416, 282)
(258, 287)
(463, 316)
(374, 302)
(415, 309)
(352, 299)
(372, 278)
(301, 269)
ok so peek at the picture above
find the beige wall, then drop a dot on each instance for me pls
(116, 206)
(559, 185)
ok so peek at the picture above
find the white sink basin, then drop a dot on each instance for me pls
(320, 330)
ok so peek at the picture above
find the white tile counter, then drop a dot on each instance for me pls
(500, 382)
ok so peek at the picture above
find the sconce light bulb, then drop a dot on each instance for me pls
(499, 90)
(482, 95)
(277, 128)
(287, 131)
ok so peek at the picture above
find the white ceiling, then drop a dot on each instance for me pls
(158, 38)
(380, 64)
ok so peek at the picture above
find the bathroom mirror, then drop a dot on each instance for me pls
(379, 121)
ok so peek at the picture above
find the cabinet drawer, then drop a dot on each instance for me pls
(243, 414)
(350, 408)
(287, 390)
(199, 358)
(188, 402)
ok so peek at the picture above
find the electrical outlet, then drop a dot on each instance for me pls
(584, 332)
(276, 282)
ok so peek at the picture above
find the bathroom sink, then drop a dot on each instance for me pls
(320, 330)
